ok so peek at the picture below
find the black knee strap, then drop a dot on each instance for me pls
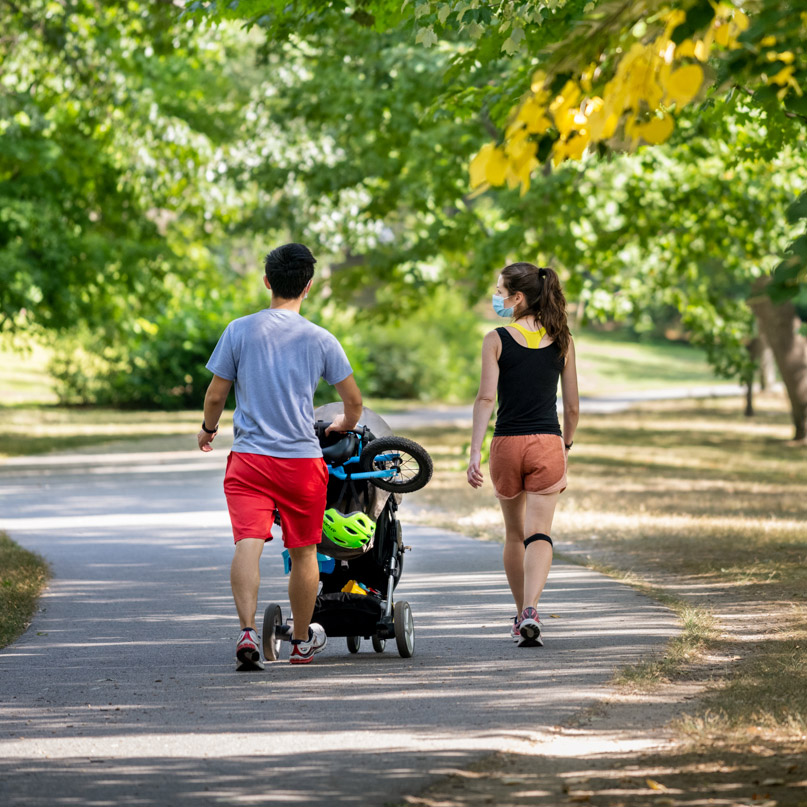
(539, 536)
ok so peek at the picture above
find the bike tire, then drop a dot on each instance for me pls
(414, 464)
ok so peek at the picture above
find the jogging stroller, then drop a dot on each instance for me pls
(361, 556)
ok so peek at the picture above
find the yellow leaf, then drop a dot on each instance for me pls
(577, 144)
(496, 168)
(722, 35)
(479, 164)
(783, 76)
(686, 48)
(658, 130)
(702, 49)
(684, 83)
(675, 18)
(741, 20)
(532, 113)
(768, 41)
(568, 97)
(654, 785)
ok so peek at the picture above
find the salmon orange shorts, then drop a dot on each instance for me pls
(255, 485)
(531, 463)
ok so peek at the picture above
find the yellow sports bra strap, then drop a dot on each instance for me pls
(533, 337)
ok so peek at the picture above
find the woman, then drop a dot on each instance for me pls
(523, 362)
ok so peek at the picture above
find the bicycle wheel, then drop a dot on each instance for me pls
(410, 462)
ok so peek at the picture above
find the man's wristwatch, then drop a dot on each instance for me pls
(209, 431)
(569, 445)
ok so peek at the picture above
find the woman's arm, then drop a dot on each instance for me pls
(483, 405)
(571, 398)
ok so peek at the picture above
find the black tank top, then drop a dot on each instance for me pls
(528, 388)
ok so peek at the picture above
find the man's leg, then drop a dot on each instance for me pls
(303, 584)
(513, 552)
(245, 579)
(538, 555)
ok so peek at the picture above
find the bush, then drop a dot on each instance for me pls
(431, 354)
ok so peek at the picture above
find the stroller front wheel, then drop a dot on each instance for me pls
(404, 629)
(272, 620)
(379, 644)
(353, 643)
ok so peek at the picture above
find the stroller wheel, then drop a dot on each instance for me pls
(407, 462)
(379, 644)
(272, 620)
(404, 629)
(353, 643)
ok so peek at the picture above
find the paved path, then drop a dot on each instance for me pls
(123, 690)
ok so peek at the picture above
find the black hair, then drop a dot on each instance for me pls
(289, 269)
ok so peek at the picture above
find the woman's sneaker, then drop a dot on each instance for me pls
(304, 650)
(514, 634)
(247, 651)
(529, 629)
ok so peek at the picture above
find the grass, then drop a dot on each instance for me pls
(24, 377)
(707, 507)
(23, 575)
(705, 510)
(615, 363)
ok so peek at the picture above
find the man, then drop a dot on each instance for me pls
(276, 358)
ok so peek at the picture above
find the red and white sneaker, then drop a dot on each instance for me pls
(514, 634)
(303, 651)
(530, 629)
(248, 652)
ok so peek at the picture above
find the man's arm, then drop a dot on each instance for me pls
(215, 399)
(350, 394)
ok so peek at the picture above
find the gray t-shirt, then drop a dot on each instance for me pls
(275, 359)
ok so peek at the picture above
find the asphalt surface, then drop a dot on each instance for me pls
(123, 691)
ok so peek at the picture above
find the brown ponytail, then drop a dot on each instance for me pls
(545, 301)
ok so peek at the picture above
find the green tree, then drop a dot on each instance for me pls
(110, 164)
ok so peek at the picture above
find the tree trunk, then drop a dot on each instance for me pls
(767, 365)
(779, 325)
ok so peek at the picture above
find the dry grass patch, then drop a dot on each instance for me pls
(707, 510)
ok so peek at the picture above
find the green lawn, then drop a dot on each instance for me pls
(615, 363)
(24, 377)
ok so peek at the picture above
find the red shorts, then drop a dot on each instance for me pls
(531, 463)
(255, 485)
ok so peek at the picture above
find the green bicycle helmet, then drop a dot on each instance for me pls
(350, 530)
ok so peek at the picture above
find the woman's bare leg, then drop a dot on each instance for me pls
(540, 511)
(513, 553)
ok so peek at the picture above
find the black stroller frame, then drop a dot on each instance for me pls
(361, 469)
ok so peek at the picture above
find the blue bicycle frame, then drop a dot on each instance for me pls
(339, 471)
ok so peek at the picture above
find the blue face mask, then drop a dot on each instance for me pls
(498, 306)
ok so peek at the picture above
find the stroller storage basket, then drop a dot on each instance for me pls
(348, 614)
